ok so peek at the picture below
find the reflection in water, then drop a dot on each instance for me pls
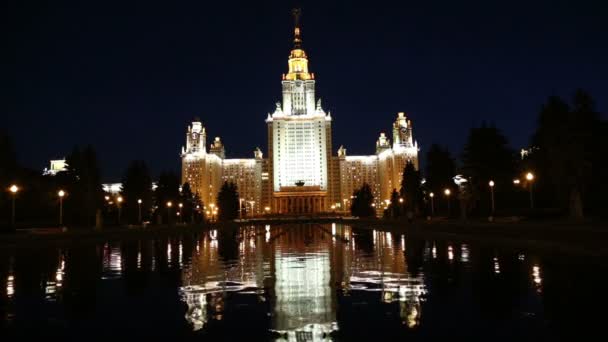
(301, 266)
(284, 283)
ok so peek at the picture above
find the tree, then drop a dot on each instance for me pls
(228, 202)
(565, 142)
(190, 202)
(362, 202)
(411, 191)
(136, 185)
(83, 180)
(440, 169)
(394, 209)
(8, 159)
(486, 157)
(167, 190)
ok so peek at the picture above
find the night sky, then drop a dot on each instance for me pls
(128, 77)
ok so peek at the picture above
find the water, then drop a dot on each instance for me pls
(297, 283)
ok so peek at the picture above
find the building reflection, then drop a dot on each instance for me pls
(304, 273)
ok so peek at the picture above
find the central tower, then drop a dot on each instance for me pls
(299, 140)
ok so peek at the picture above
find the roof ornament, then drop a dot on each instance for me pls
(297, 38)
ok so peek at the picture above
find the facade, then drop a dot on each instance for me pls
(56, 166)
(300, 175)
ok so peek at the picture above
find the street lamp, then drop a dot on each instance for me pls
(447, 193)
(432, 195)
(491, 183)
(241, 208)
(61, 193)
(252, 203)
(13, 189)
(139, 210)
(169, 205)
(530, 178)
(119, 205)
(180, 212)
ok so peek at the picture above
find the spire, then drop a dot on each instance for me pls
(297, 38)
(298, 62)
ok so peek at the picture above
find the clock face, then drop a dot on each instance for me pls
(403, 129)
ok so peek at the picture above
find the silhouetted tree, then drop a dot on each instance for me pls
(190, 202)
(167, 190)
(411, 190)
(228, 202)
(394, 209)
(8, 160)
(136, 184)
(362, 202)
(84, 185)
(564, 138)
(486, 157)
(440, 169)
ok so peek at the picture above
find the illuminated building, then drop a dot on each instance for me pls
(300, 175)
(56, 166)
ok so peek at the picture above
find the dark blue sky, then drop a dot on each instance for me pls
(128, 77)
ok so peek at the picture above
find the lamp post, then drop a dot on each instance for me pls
(13, 189)
(432, 195)
(181, 219)
(119, 205)
(169, 205)
(530, 178)
(252, 203)
(491, 184)
(447, 193)
(240, 208)
(61, 193)
(139, 210)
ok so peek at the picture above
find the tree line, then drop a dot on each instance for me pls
(85, 204)
(566, 159)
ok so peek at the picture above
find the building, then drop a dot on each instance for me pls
(56, 166)
(300, 175)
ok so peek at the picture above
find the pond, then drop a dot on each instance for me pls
(297, 282)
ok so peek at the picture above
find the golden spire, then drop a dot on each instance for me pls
(298, 62)
(297, 38)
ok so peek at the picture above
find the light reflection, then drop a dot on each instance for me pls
(450, 253)
(180, 256)
(10, 286)
(536, 277)
(496, 266)
(169, 252)
(464, 253)
(434, 251)
(304, 265)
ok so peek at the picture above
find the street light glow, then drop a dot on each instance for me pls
(516, 181)
(139, 201)
(119, 199)
(491, 183)
(13, 189)
(447, 192)
(169, 204)
(530, 176)
(61, 193)
(432, 194)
